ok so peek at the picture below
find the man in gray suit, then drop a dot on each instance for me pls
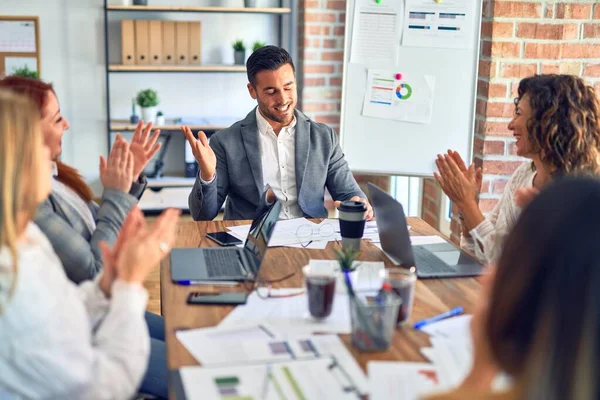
(275, 152)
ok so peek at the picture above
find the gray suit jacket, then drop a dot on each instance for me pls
(320, 163)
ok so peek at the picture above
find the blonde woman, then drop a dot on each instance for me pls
(60, 340)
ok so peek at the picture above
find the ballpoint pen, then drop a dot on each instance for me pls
(451, 313)
(207, 283)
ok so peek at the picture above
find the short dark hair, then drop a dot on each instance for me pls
(267, 58)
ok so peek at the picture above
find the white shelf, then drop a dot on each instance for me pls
(170, 181)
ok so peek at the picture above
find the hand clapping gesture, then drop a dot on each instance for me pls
(207, 160)
(143, 147)
(117, 172)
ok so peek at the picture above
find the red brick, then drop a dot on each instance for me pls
(500, 167)
(592, 70)
(597, 11)
(487, 69)
(591, 31)
(550, 68)
(478, 146)
(542, 50)
(514, 91)
(485, 187)
(579, 50)
(487, 89)
(529, 30)
(491, 29)
(506, 50)
(515, 70)
(499, 185)
(342, 17)
(517, 9)
(512, 149)
(431, 206)
(318, 30)
(493, 128)
(336, 4)
(311, 4)
(320, 17)
(430, 219)
(597, 87)
(549, 13)
(573, 11)
(316, 107)
(486, 48)
(322, 94)
(487, 205)
(480, 107)
(333, 55)
(496, 109)
(330, 43)
(338, 31)
(431, 188)
(318, 69)
(314, 82)
(335, 81)
(311, 55)
(493, 147)
(328, 119)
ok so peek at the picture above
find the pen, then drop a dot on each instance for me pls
(207, 283)
(451, 313)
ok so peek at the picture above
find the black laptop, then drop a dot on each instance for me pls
(227, 264)
(440, 260)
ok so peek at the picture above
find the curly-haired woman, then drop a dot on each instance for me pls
(557, 126)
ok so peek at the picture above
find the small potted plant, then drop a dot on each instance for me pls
(257, 45)
(25, 72)
(148, 100)
(140, 2)
(239, 52)
(160, 118)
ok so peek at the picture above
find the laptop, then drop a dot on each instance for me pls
(227, 264)
(440, 260)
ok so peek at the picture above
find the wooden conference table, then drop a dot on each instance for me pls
(432, 296)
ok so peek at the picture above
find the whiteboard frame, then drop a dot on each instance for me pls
(347, 49)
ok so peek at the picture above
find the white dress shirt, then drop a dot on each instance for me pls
(278, 159)
(63, 341)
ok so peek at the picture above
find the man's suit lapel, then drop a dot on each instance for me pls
(250, 134)
(302, 141)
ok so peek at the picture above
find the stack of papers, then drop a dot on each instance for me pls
(451, 357)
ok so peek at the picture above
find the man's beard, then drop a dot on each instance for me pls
(266, 113)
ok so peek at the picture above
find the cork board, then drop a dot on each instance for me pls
(19, 44)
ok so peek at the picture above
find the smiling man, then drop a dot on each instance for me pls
(275, 152)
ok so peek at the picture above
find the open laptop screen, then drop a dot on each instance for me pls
(260, 234)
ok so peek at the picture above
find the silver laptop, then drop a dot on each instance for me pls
(440, 260)
(227, 264)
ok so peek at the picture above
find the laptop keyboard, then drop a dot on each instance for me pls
(428, 263)
(222, 263)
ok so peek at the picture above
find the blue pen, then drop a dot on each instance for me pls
(207, 283)
(454, 312)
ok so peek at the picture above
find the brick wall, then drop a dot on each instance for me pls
(519, 39)
(321, 53)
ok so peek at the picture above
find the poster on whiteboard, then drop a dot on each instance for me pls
(390, 94)
(447, 24)
(17, 37)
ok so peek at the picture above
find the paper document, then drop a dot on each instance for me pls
(298, 233)
(447, 24)
(220, 352)
(421, 240)
(376, 32)
(453, 359)
(455, 328)
(393, 94)
(401, 380)
(310, 380)
(289, 315)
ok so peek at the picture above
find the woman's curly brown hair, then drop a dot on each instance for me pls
(565, 124)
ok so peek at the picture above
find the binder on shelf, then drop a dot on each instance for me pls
(156, 41)
(182, 43)
(195, 35)
(127, 42)
(142, 45)
(168, 42)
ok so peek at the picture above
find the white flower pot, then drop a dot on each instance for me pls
(160, 120)
(149, 114)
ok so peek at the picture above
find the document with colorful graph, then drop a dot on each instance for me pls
(301, 380)
(393, 94)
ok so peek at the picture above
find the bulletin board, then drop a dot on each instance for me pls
(409, 83)
(19, 44)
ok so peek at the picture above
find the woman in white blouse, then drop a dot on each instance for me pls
(58, 339)
(557, 126)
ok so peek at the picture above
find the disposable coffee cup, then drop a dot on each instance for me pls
(352, 223)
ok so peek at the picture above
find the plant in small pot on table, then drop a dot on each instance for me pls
(148, 100)
(239, 52)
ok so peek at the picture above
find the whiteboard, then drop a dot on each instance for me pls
(393, 147)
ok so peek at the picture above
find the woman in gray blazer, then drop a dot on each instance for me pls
(75, 224)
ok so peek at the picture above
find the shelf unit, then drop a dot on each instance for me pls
(286, 11)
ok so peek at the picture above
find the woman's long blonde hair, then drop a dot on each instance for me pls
(20, 150)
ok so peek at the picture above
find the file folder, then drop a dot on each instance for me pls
(182, 43)
(168, 44)
(142, 47)
(127, 42)
(155, 34)
(195, 31)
